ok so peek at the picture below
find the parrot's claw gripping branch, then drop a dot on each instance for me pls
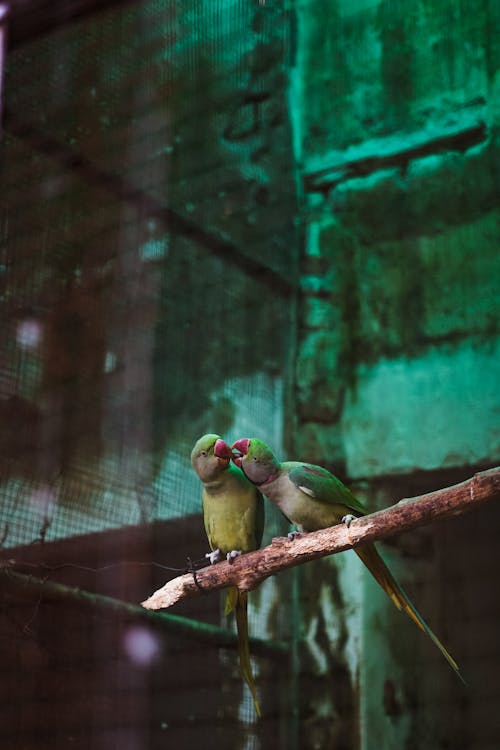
(214, 556)
(348, 519)
(247, 571)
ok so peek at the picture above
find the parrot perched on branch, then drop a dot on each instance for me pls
(233, 514)
(312, 498)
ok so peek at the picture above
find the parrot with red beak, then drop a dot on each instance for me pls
(233, 514)
(312, 498)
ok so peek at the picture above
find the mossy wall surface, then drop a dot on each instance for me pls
(400, 261)
(396, 136)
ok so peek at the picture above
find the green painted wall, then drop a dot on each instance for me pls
(395, 113)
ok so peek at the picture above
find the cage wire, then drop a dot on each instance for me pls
(146, 267)
(140, 303)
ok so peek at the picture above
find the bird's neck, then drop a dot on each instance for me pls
(270, 479)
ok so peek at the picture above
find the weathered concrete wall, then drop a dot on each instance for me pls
(369, 69)
(396, 135)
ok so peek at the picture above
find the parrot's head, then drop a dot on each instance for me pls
(210, 457)
(256, 460)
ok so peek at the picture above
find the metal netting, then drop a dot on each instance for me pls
(146, 266)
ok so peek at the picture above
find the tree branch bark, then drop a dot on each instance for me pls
(249, 570)
(22, 586)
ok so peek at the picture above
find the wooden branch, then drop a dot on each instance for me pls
(249, 570)
(20, 585)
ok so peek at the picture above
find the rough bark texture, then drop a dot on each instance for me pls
(248, 571)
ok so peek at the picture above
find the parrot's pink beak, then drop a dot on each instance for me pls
(222, 450)
(240, 449)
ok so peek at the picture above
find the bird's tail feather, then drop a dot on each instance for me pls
(231, 599)
(243, 645)
(386, 580)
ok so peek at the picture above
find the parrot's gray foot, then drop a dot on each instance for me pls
(214, 556)
(348, 519)
(231, 555)
(293, 534)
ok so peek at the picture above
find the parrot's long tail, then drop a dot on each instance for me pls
(231, 599)
(386, 580)
(243, 645)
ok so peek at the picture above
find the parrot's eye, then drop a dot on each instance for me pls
(254, 458)
(204, 453)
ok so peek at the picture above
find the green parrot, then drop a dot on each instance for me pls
(233, 514)
(312, 498)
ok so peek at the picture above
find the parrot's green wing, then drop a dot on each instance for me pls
(324, 486)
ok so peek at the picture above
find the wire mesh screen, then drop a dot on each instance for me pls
(147, 258)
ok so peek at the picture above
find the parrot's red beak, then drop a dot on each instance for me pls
(240, 449)
(222, 450)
